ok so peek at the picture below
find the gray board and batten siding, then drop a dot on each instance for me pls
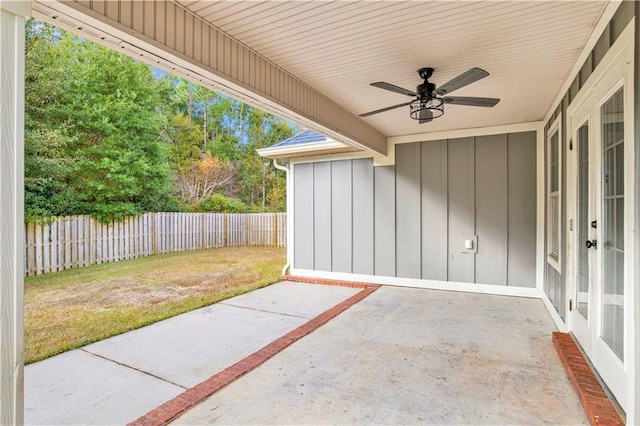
(411, 220)
(555, 282)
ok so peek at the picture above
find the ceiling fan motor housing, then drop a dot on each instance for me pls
(426, 73)
(426, 88)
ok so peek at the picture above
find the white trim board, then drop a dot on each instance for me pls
(600, 27)
(556, 127)
(389, 160)
(332, 157)
(615, 70)
(18, 8)
(12, 48)
(540, 208)
(498, 290)
(560, 324)
(465, 133)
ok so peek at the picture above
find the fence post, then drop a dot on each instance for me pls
(275, 229)
(202, 231)
(154, 233)
(245, 240)
(225, 230)
(91, 238)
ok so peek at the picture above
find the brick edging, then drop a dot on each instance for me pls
(326, 281)
(596, 403)
(172, 409)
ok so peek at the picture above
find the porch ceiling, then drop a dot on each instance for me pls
(338, 48)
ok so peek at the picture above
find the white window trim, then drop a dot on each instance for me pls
(554, 261)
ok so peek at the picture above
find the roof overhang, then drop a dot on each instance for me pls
(286, 153)
(312, 62)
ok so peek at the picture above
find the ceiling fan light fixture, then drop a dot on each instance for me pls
(434, 105)
(429, 100)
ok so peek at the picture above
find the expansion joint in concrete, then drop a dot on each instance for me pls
(172, 409)
(146, 373)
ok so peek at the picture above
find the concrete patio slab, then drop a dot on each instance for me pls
(80, 388)
(189, 348)
(93, 385)
(410, 356)
(292, 298)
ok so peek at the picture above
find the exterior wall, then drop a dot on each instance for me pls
(411, 220)
(556, 281)
(557, 285)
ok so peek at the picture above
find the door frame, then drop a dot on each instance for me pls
(576, 323)
(615, 70)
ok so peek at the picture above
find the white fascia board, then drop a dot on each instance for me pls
(332, 157)
(282, 151)
(600, 27)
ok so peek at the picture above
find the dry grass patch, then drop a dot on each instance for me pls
(72, 308)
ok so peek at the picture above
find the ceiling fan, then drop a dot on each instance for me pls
(429, 101)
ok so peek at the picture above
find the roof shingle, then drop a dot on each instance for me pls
(302, 138)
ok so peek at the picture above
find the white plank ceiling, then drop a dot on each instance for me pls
(338, 48)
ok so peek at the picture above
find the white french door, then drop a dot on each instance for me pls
(600, 213)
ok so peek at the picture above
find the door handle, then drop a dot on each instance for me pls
(591, 243)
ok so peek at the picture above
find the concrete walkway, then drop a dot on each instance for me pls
(401, 356)
(117, 380)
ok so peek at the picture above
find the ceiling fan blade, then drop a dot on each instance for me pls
(479, 102)
(425, 116)
(468, 77)
(366, 114)
(393, 88)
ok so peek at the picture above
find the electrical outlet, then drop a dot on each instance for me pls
(469, 243)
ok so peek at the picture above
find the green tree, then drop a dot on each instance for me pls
(46, 135)
(104, 137)
(91, 130)
(201, 121)
(263, 184)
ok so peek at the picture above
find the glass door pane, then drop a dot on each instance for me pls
(613, 223)
(583, 220)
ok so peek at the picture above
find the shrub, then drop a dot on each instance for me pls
(219, 203)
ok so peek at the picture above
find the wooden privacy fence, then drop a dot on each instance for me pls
(78, 241)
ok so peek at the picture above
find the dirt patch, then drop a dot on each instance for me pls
(67, 309)
(139, 291)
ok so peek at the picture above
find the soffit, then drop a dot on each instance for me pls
(338, 48)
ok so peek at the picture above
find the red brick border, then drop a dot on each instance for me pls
(170, 410)
(325, 281)
(596, 403)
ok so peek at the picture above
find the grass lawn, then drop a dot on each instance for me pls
(68, 309)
